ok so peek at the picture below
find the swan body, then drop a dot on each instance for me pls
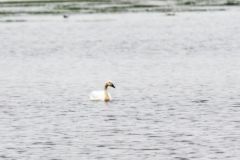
(99, 96)
(102, 95)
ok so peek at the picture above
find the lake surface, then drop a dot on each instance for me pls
(177, 93)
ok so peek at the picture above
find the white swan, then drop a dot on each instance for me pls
(102, 95)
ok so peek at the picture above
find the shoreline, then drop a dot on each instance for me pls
(58, 7)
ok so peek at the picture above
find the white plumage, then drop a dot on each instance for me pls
(102, 95)
(99, 95)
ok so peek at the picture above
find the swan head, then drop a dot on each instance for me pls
(109, 83)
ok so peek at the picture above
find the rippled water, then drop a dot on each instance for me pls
(177, 93)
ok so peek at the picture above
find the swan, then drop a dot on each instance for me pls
(102, 95)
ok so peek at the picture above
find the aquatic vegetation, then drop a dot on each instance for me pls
(16, 7)
(232, 3)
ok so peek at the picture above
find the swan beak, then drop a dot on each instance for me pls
(113, 86)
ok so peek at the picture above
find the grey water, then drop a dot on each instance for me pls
(177, 93)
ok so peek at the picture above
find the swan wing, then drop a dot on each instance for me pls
(98, 95)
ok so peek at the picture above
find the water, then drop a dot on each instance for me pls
(36, 7)
(177, 87)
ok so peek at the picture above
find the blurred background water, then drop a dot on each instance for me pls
(177, 86)
(35, 7)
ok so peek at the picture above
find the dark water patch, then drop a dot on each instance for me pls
(117, 130)
(4, 157)
(188, 135)
(110, 116)
(67, 137)
(191, 152)
(171, 109)
(181, 158)
(11, 148)
(172, 153)
(186, 141)
(135, 149)
(219, 152)
(37, 143)
(117, 148)
(111, 119)
(107, 135)
(201, 101)
(21, 151)
(41, 12)
(48, 143)
(237, 121)
(143, 6)
(153, 136)
(171, 149)
(101, 146)
(133, 134)
(143, 119)
(237, 105)
(149, 149)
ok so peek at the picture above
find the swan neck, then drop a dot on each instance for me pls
(106, 96)
(105, 87)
